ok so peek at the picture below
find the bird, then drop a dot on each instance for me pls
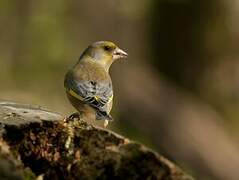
(88, 83)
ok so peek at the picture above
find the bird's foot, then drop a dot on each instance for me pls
(74, 116)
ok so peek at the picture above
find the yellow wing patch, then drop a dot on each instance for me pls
(75, 95)
(97, 98)
(111, 98)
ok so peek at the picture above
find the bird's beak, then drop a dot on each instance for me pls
(119, 54)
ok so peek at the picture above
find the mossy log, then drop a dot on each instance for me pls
(39, 144)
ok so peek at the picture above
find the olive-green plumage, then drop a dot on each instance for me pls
(88, 84)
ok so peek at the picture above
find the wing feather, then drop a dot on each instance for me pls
(95, 94)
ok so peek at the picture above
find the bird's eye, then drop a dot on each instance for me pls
(107, 48)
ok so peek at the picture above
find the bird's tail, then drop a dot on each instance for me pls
(102, 115)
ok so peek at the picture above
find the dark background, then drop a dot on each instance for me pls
(178, 92)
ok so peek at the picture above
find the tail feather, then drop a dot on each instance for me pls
(102, 115)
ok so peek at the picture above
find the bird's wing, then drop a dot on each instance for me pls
(95, 94)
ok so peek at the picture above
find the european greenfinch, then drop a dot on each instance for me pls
(88, 83)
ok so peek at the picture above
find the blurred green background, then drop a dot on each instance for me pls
(178, 92)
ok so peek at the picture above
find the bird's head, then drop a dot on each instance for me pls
(105, 53)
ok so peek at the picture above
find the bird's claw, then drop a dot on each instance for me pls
(74, 116)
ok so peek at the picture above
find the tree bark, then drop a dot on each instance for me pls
(38, 143)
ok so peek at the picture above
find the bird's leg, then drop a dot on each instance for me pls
(106, 122)
(74, 116)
